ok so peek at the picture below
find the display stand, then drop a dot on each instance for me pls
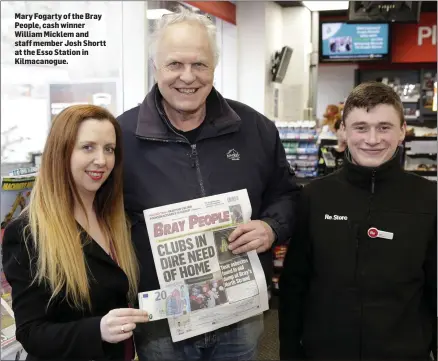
(15, 193)
(299, 140)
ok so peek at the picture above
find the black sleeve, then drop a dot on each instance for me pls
(293, 285)
(280, 197)
(38, 336)
(430, 288)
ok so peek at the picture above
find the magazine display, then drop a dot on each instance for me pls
(204, 286)
(15, 191)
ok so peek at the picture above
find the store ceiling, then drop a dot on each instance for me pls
(289, 4)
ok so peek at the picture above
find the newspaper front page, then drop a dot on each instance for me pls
(208, 287)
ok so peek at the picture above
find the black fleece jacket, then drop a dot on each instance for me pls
(346, 294)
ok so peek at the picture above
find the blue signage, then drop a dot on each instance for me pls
(342, 41)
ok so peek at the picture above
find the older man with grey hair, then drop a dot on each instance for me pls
(186, 141)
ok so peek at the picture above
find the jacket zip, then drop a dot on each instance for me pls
(356, 232)
(193, 156)
(358, 283)
(195, 163)
(373, 183)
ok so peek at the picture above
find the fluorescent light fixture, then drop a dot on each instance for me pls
(154, 14)
(326, 5)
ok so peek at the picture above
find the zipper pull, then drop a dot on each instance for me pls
(193, 155)
(373, 180)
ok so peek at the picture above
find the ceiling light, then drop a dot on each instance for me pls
(154, 14)
(326, 5)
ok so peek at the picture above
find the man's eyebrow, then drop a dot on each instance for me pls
(172, 60)
(361, 123)
(356, 123)
(389, 124)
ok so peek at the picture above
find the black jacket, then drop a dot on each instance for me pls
(348, 296)
(56, 330)
(236, 148)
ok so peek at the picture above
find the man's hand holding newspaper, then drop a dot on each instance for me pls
(254, 235)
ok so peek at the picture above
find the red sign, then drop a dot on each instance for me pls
(415, 43)
(224, 10)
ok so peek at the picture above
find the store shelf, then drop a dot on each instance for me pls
(410, 101)
(428, 112)
(301, 139)
(411, 117)
(409, 138)
(424, 173)
(278, 263)
(420, 154)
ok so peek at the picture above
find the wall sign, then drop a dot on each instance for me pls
(415, 43)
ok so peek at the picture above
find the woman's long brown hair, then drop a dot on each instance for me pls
(52, 225)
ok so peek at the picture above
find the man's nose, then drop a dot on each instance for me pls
(373, 137)
(187, 75)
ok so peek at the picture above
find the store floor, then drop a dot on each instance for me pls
(269, 344)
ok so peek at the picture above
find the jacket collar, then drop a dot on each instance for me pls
(363, 176)
(153, 123)
(92, 249)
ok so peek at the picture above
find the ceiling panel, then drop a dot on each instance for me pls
(288, 4)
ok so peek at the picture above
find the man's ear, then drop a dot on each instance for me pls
(402, 133)
(342, 126)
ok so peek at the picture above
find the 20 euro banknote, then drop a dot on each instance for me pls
(171, 301)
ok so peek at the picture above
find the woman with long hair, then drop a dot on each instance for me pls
(68, 257)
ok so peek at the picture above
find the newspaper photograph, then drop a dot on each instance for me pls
(204, 286)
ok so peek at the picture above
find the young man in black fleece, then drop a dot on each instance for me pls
(360, 275)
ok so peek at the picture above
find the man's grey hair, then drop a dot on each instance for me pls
(183, 15)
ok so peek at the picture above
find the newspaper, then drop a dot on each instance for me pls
(211, 286)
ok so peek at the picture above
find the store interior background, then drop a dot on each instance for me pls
(249, 34)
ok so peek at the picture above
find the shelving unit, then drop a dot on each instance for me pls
(11, 349)
(278, 255)
(418, 106)
(15, 187)
(299, 140)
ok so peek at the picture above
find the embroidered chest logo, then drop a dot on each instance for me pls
(335, 217)
(232, 154)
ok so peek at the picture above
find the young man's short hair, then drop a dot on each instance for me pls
(371, 94)
(338, 124)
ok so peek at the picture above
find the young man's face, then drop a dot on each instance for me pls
(373, 137)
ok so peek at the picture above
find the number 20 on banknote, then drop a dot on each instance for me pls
(171, 301)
